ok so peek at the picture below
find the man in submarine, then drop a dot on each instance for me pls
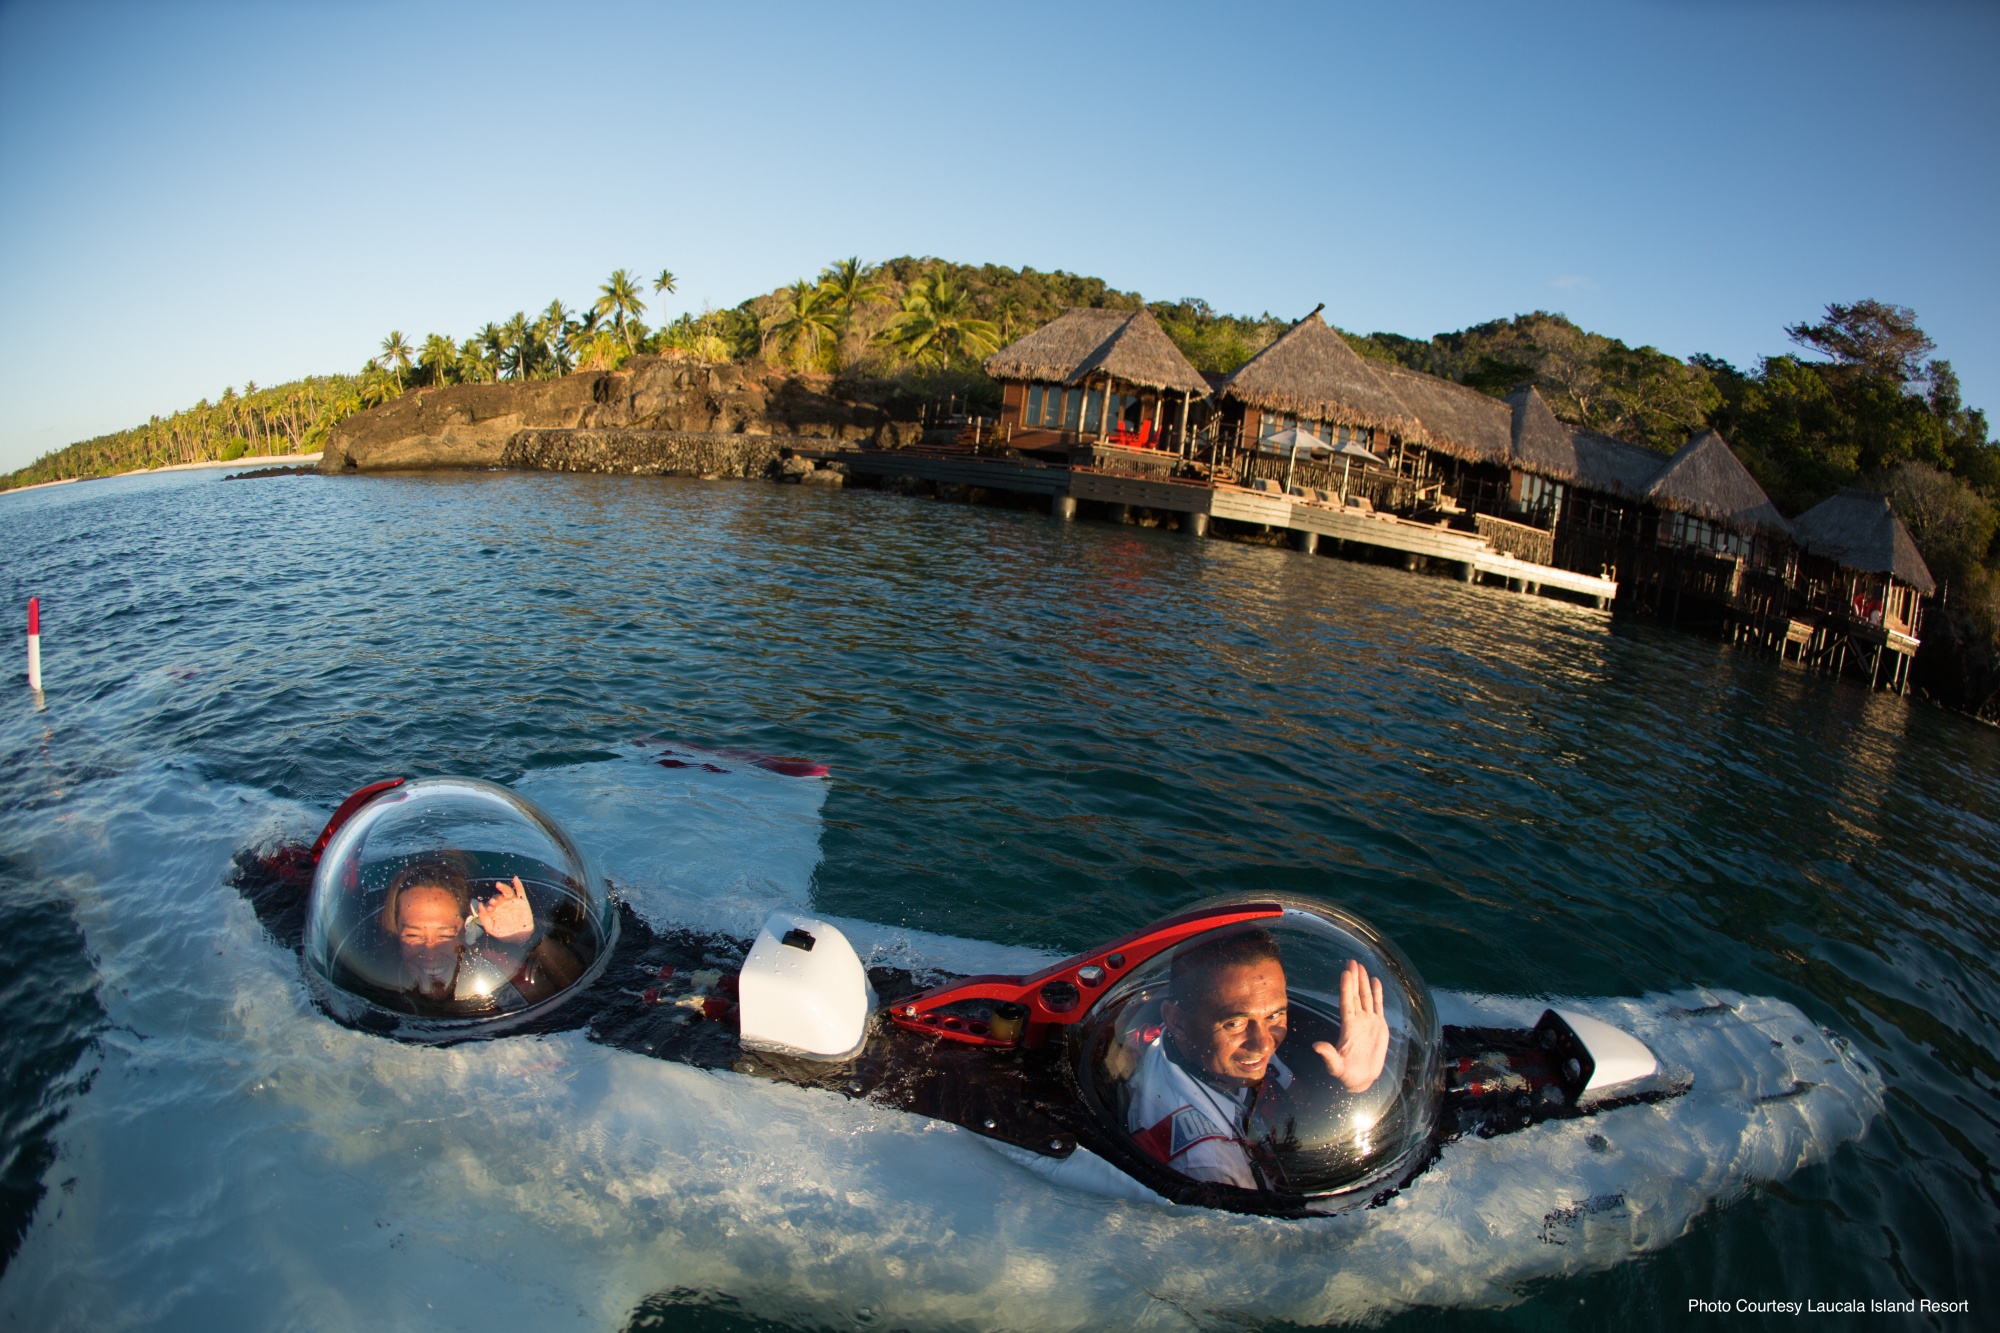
(1210, 1097)
(454, 949)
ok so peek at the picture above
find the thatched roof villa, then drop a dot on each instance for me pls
(1691, 535)
(1457, 422)
(1309, 378)
(1108, 375)
(1714, 502)
(1863, 573)
(1858, 530)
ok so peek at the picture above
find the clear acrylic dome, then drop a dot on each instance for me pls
(447, 905)
(1229, 1059)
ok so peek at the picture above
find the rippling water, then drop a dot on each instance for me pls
(1041, 735)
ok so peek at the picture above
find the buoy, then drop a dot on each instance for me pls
(34, 643)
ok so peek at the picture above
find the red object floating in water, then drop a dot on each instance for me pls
(792, 768)
(714, 1007)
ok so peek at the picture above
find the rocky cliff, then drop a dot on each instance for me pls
(688, 405)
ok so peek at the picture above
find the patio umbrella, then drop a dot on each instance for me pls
(1296, 439)
(1347, 453)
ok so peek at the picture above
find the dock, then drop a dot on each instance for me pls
(1310, 521)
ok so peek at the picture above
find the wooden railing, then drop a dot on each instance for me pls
(1535, 545)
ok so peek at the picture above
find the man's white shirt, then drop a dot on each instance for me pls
(1190, 1125)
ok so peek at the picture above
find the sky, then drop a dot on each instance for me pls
(195, 195)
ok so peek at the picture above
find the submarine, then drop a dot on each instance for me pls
(1262, 1054)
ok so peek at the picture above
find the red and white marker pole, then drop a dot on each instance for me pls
(34, 643)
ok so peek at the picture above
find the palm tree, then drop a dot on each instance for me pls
(493, 348)
(439, 357)
(556, 329)
(621, 301)
(475, 363)
(850, 285)
(395, 355)
(517, 355)
(1007, 316)
(378, 388)
(806, 319)
(663, 287)
(938, 324)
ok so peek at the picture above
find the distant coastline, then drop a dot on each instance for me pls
(262, 460)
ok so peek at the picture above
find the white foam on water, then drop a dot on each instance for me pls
(240, 1160)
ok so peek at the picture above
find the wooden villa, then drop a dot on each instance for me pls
(1548, 491)
(1108, 377)
(1860, 586)
(1098, 406)
(1691, 535)
(1464, 445)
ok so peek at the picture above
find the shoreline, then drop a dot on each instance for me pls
(258, 460)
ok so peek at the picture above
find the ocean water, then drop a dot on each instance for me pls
(1039, 735)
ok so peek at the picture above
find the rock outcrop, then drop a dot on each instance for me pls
(655, 414)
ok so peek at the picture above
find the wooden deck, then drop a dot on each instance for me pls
(957, 470)
(1473, 555)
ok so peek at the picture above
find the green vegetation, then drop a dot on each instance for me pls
(289, 419)
(939, 325)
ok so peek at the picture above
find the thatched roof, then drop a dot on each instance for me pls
(1458, 421)
(1541, 444)
(1311, 372)
(1707, 480)
(1615, 467)
(1858, 529)
(1127, 344)
(1537, 442)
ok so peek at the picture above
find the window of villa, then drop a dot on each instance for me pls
(1053, 407)
(1687, 530)
(1540, 495)
(1272, 422)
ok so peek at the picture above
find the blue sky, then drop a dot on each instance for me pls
(195, 195)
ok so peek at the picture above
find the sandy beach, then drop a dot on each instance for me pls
(262, 460)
